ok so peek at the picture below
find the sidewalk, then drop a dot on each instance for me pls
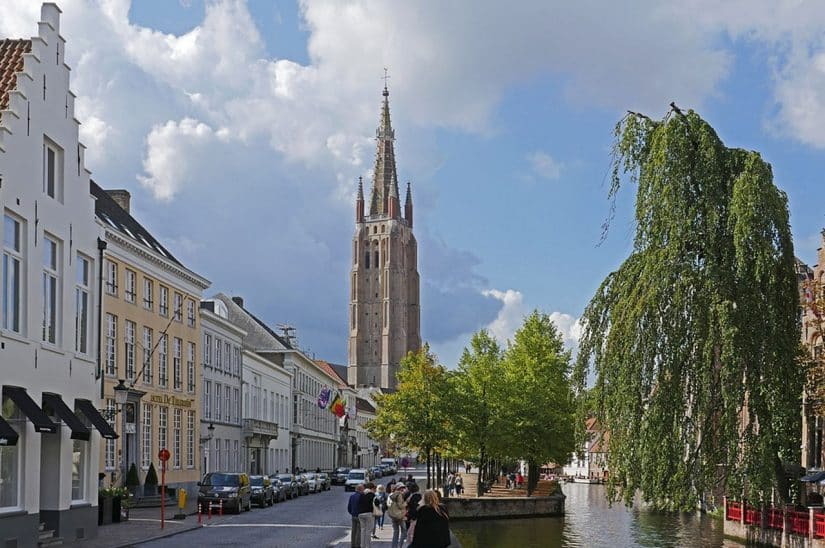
(144, 525)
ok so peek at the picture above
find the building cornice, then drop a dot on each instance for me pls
(137, 249)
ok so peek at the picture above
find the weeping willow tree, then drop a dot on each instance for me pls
(694, 339)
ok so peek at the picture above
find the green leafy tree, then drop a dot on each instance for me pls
(477, 401)
(539, 408)
(415, 415)
(694, 339)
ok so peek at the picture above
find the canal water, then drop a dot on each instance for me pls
(590, 522)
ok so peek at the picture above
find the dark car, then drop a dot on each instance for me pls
(225, 489)
(278, 489)
(339, 477)
(290, 485)
(303, 484)
(324, 481)
(262, 492)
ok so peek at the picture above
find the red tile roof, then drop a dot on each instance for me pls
(329, 370)
(11, 62)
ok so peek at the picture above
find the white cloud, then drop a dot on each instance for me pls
(510, 316)
(544, 165)
(569, 327)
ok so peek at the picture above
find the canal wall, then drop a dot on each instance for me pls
(504, 507)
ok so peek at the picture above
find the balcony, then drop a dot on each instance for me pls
(263, 429)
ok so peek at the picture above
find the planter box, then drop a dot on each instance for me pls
(104, 510)
(116, 509)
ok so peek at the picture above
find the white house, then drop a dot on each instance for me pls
(50, 430)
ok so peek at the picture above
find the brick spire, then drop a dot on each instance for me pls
(384, 177)
(359, 202)
(408, 206)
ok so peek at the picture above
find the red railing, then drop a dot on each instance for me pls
(753, 516)
(819, 525)
(775, 519)
(799, 522)
(734, 511)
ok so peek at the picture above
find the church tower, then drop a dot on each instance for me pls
(384, 297)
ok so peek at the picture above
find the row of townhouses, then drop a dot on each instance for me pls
(109, 348)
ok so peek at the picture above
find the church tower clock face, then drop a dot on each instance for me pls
(384, 322)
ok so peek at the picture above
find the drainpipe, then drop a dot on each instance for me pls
(101, 247)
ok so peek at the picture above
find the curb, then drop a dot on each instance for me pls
(157, 537)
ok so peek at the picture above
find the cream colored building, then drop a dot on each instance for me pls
(150, 338)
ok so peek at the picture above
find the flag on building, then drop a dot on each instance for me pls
(352, 411)
(338, 406)
(323, 397)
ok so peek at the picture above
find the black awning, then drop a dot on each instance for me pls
(813, 477)
(87, 408)
(8, 436)
(41, 421)
(56, 403)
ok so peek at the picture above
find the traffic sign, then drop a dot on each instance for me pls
(164, 454)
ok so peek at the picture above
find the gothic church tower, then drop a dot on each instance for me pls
(384, 298)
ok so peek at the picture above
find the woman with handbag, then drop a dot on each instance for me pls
(379, 507)
(397, 510)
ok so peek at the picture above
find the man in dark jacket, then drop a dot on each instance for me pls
(352, 508)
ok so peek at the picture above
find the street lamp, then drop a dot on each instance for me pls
(121, 392)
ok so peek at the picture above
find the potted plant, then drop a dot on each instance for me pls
(132, 479)
(112, 500)
(150, 483)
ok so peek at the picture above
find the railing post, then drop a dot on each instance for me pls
(725, 506)
(786, 525)
(743, 510)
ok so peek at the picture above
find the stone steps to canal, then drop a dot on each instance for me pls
(500, 490)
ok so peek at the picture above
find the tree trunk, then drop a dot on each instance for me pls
(429, 467)
(479, 480)
(532, 476)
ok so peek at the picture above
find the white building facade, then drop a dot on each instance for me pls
(221, 395)
(50, 431)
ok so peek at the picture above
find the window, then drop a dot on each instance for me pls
(176, 448)
(109, 457)
(111, 344)
(51, 255)
(111, 277)
(217, 454)
(190, 439)
(131, 287)
(176, 363)
(207, 399)
(367, 259)
(148, 292)
(146, 441)
(178, 307)
(236, 393)
(163, 307)
(52, 169)
(227, 351)
(81, 304)
(163, 360)
(190, 313)
(190, 368)
(129, 340)
(163, 425)
(218, 396)
(12, 276)
(218, 355)
(236, 459)
(207, 350)
(80, 449)
(227, 408)
(226, 449)
(147, 355)
(237, 361)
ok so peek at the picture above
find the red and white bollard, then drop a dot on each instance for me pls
(209, 514)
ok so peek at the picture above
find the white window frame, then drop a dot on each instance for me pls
(148, 293)
(190, 368)
(82, 303)
(111, 277)
(190, 313)
(178, 304)
(207, 399)
(146, 363)
(218, 398)
(130, 283)
(13, 274)
(80, 470)
(109, 452)
(207, 350)
(129, 328)
(52, 186)
(176, 437)
(163, 427)
(190, 439)
(111, 344)
(50, 319)
(163, 304)
(146, 439)
(163, 360)
(177, 370)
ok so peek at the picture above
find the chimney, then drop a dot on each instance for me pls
(238, 301)
(122, 197)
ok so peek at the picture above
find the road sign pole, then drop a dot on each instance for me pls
(163, 456)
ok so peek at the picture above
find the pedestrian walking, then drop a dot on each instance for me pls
(450, 484)
(519, 480)
(397, 510)
(352, 508)
(432, 526)
(459, 484)
(511, 480)
(366, 518)
(379, 502)
(413, 498)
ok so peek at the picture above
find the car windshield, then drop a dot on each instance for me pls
(287, 479)
(356, 475)
(256, 480)
(310, 476)
(221, 480)
(342, 471)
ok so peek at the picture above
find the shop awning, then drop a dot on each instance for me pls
(56, 403)
(87, 408)
(41, 421)
(813, 477)
(7, 434)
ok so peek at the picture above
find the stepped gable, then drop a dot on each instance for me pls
(11, 62)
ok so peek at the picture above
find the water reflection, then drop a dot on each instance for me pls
(591, 522)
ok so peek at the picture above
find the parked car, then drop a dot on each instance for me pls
(303, 484)
(339, 477)
(278, 489)
(291, 488)
(385, 469)
(356, 477)
(376, 472)
(389, 461)
(232, 490)
(325, 481)
(262, 493)
(312, 482)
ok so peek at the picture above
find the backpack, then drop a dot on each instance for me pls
(396, 506)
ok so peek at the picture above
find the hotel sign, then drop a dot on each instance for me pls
(167, 399)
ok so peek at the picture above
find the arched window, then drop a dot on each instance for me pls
(377, 264)
(367, 259)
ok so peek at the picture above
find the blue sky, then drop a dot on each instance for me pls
(241, 129)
